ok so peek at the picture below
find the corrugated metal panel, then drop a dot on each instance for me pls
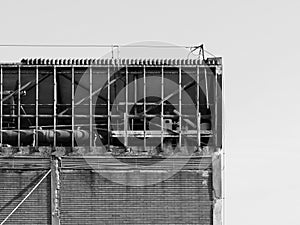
(184, 198)
(24, 163)
(126, 163)
(14, 186)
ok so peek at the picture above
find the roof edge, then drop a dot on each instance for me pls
(40, 61)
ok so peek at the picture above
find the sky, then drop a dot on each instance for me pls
(259, 43)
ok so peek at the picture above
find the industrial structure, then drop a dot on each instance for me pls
(111, 141)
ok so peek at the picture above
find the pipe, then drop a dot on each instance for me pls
(44, 136)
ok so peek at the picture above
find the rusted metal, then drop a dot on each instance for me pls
(55, 134)
(55, 191)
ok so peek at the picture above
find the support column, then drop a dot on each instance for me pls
(126, 109)
(54, 106)
(91, 106)
(73, 107)
(180, 110)
(198, 113)
(55, 191)
(19, 106)
(145, 117)
(1, 106)
(217, 188)
(125, 131)
(199, 131)
(108, 108)
(36, 140)
(216, 110)
(162, 111)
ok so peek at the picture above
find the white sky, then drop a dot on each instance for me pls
(259, 43)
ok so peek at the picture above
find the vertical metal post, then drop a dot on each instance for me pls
(216, 110)
(1, 106)
(125, 131)
(19, 106)
(180, 110)
(223, 163)
(73, 109)
(54, 105)
(206, 88)
(91, 106)
(199, 130)
(145, 118)
(108, 108)
(162, 110)
(218, 155)
(135, 95)
(126, 108)
(198, 114)
(36, 106)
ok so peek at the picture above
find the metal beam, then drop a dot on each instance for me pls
(198, 114)
(54, 105)
(55, 191)
(108, 108)
(189, 122)
(180, 109)
(216, 110)
(199, 131)
(72, 105)
(1, 106)
(162, 110)
(169, 96)
(126, 107)
(19, 106)
(206, 88)
(135, 94)
(144, 115)
(91, 106)
(36, 107)
(93, 93)
(26, 87)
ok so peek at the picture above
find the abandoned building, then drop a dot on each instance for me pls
(111, 141)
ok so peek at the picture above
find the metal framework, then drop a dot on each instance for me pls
(53, 119)
(116, 80)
